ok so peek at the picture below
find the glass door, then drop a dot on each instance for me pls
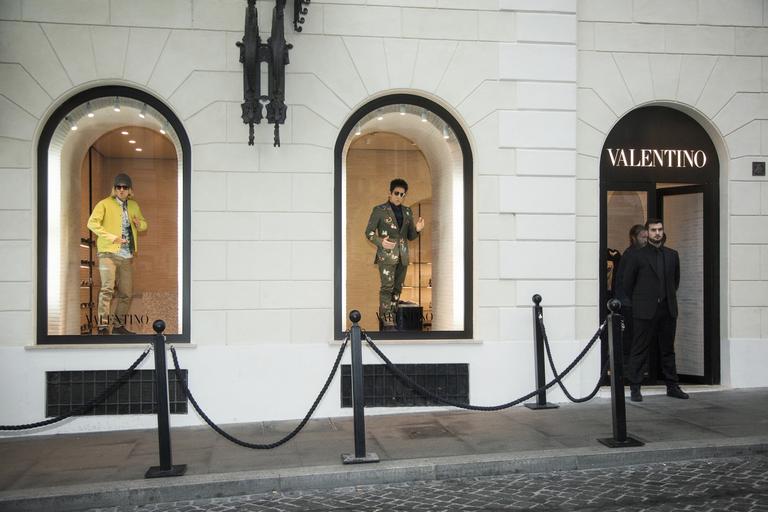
(623, 206)
(682, 209)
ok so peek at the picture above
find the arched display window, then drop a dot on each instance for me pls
(659, 162)
(108, 265)
(414, 139)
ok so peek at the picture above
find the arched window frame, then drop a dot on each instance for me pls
(340, 222)
(43, 338)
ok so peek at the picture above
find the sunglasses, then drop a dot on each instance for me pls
(122, 187)
(399, 194)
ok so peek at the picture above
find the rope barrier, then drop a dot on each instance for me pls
(392, 368)
(86, 408)
(560, 383)
(257, 446)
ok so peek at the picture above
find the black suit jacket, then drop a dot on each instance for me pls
(619, 291)
(641, 280)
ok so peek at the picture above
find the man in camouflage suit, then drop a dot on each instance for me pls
(390, 227)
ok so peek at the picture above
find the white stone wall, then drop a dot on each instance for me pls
(536, 85)
(707, 57)
(262, 271)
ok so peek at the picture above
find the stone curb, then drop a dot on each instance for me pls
(141, 492)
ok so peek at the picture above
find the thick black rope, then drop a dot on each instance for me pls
(86, 408)
(603, 371)
(394, 370)
(257, 446)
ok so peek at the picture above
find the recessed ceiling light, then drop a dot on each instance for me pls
(116, 104)
(124, 132)
(138, 149)
(131, 141)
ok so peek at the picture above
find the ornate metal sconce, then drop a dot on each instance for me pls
(275, 53)
(298, 13)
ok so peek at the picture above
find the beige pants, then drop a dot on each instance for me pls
(116, 281)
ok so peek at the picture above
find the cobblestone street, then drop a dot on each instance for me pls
(732, 484)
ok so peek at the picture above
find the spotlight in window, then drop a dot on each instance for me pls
(131, 141)
(143, 112)
(423, 116)
(358, 130)
(446, 136)
(89, 109)
(116, 104)
(402, 110)
(72, 126)
(139, 150)
(164, 128)
(124, 132)
(379, 115)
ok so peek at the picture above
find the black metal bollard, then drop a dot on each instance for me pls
(166, 467)
(538, 354)
(358, 399)
(620, 438)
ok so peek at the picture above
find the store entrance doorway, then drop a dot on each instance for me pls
(685, 197)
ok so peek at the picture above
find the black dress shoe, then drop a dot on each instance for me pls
(634, 394)
(121, 330)
(676, 392)
(103, 331)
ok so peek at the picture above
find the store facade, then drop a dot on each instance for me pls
(531, 133)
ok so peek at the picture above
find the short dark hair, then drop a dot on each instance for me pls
(653, 221)
(635, 230)
(398, 182)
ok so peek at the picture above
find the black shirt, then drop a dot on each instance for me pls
(660, 267)
(398, 209)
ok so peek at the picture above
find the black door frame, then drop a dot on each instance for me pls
(646, 179)
(707, 278)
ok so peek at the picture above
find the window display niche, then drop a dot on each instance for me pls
(83, 296)
(413, 139)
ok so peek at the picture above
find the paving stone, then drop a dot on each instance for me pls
(728, 484)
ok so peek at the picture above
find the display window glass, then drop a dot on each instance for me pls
(113, 225)
(403, 196)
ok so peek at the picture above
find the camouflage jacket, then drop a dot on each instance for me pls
(383, 224)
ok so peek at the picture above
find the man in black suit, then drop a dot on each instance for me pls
(650, 279)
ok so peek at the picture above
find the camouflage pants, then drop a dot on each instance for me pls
(392, 277)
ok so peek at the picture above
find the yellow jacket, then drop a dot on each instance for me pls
(106, 222)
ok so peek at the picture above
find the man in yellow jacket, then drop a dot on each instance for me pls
(116, 220)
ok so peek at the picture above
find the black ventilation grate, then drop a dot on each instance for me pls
(68, 390)
(382, 389)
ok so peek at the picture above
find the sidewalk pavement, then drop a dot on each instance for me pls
(79, 471)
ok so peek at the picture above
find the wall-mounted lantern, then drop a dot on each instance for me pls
(275, 53)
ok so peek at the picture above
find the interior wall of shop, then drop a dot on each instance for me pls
(156, 266)
(369, 172)
(707, 58)
(262, 265)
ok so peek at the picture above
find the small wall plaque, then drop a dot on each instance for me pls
(758, 168)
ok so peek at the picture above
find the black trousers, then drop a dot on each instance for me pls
(660, 328)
